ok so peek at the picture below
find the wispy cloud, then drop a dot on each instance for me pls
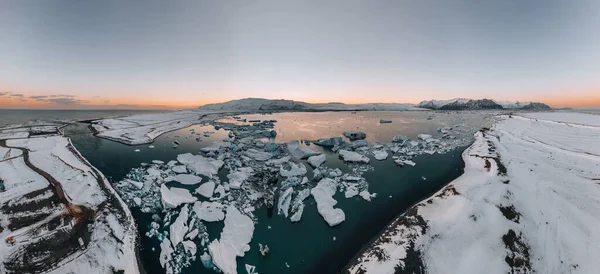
(4, 93)
(16, 95)
(59, 99)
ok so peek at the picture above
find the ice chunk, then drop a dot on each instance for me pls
(137, 201)
(355, 135)
(206, 260)
(258, 155)
(179, 169)
(280, 161)
(366, 195)
(179, 228)
(323, 194)
(298, 215)
(351, 191)
(400, 139)
(380, 154)
(285, 199)
(174, 197)
(295, 170)
(424, 137)
(251, 269)
(351, 156)
(234, 241)
(300, 152)
(200, 164)
(317, 160)
(166, 252)
(237, 178)
(330, 142)
(215, 146)
(209, 211)
(190, 247)
(206, 189)
(158, 162)
(401, 162)
(188, 179)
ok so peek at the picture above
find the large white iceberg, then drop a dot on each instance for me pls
(188, 179)
(285, 199)
(351, 156)
(173, 197)
(300, 152)
(209, 211)
(200, 164)
(237, 178)
(179, 228)
(295, 170)
(323, 194)
(317, 160)
(234, 241)
(206, 189)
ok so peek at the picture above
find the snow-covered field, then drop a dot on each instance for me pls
(62, 214)
(529, 202)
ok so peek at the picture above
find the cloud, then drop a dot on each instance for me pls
(59, 99)
(16, 95)
(4, 93)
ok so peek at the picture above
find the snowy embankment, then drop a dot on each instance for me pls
(529, 201)
(55, 200)
(143, 129)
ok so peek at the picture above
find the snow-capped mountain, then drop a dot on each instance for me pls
(471, 104)
(255, 104)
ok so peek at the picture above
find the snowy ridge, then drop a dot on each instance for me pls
(528, 202)
(474, 104)
(259, 104)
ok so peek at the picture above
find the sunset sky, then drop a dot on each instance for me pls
(181, 54)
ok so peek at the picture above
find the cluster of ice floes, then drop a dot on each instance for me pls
(228, 180)
(55, 200)
(527, 203)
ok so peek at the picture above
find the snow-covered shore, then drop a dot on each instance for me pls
(529, 201)
(55, 200)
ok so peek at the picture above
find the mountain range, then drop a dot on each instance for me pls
(260, 104)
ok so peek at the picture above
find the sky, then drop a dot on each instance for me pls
(183, 54)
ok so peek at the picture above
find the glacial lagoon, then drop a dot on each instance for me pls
(308, 246)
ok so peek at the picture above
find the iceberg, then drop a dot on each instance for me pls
(355, 135)
(188, 179)
(380, 155)
(200, 164)
(351, 156)
(173, 197)
(280, 161)
(300, 152)
(258, 155)
(330, 142)
(215, 146)
(295, 170)
(323, 194)
(179, 169)
(206, 189)
(285, 199)
(238, 177)
(317, 160)
(166, 253)
(234, 241)
(179, 228)
(209, 211)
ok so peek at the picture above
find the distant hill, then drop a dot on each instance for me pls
(471, 104)
(258, 104)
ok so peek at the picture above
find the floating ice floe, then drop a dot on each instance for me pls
(351, 156)
(258, 155)
(285, 199)
(300, 152)
(237, 178)
(317, 160)
(188, 179)
(173, 197)
(380, 154)
(355, 135)
(280, 161)
(179, 228)
(234, 241)
(200, 164)
(179, 169)
(215, 146)
(323, 194)
(209, 211)
(206, 189)
(295, 170)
